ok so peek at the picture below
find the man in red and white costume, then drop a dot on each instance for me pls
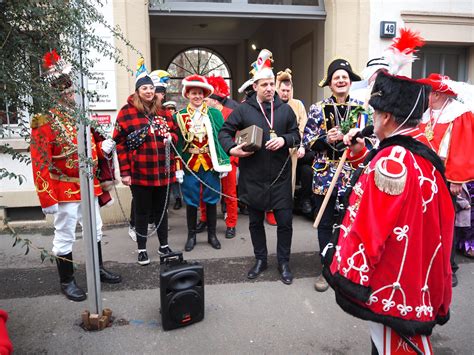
(449, 126)
(388, 261)
(55, 163)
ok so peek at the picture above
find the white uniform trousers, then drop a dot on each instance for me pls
(388, 342)
(65, 222)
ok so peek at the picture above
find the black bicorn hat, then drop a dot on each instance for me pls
(401, 96)
(337, 64)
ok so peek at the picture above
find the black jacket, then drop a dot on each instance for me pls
(259, 170)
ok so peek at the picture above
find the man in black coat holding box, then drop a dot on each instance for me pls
(265, 175)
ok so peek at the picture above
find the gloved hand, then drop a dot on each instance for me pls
(51, 209)
(167, 137)
(179, 176)
(108, 145)
(222, 175)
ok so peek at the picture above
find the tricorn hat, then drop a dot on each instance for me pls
(196, 81)
(401, 96)
(374, 65)
(438, 83)
(337, 64)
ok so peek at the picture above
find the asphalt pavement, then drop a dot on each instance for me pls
(263, 316)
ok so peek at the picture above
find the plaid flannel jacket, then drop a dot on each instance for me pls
(146, 164)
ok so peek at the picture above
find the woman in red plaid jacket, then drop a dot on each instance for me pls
(141, 130)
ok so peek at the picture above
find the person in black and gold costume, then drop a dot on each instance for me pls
(322, 133)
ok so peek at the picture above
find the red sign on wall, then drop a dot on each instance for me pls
(102, 119)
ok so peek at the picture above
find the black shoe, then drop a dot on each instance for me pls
(177, 204)
(109, 277)
(72, 291)
(243, 210)
(257, 269)
(164, 250)
(306, 207)
(214, 242)
(191, 242)
(230, 232)
(143, 258)
(201, 227)
(454, 282)
(285, 273)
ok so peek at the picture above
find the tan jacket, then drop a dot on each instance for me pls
(301, 119)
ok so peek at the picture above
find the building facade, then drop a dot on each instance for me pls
(224, 37)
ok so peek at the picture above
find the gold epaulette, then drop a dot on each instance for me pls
(38, 120)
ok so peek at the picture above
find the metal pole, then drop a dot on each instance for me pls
(84, 146)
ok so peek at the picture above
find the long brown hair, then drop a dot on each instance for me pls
(142, 107)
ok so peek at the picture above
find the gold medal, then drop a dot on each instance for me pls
(429, 132)
(273, 134)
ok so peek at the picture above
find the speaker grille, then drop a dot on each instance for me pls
(185, 306)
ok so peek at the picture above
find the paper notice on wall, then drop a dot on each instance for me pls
(102, 90)
(101, 81)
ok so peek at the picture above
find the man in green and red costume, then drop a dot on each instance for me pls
(206, 162)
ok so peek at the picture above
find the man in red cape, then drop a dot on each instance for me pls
(388, 261)
(449, 126)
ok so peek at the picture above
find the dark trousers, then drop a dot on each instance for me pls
(150, 199)
(327, 221)
(454, 265)
(305, 175)
(284, 219)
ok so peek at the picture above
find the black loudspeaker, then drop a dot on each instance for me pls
(181, 291)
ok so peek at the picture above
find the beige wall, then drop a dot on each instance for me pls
(132, 17)
(445, 28)
(346, 32)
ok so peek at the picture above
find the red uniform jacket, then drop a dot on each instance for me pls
(389, 261)
(453, 140)
(55, 161)
(146, 164)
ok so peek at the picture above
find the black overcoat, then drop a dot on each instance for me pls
(258, 171)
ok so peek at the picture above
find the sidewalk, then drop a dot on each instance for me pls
(241, 316)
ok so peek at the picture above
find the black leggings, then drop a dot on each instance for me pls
(150, 200)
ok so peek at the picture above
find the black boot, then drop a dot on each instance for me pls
(178, 203)
(66, 277)
(191, 217)
(211, 211)
(105, 275)
(201, 226)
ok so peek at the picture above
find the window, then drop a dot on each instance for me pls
(450, 61)
(8, 118)
(198, 60)
(285, 2)
(308, 9)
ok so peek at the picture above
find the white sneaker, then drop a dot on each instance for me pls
(132, 233)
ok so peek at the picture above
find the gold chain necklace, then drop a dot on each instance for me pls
(429, 129)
